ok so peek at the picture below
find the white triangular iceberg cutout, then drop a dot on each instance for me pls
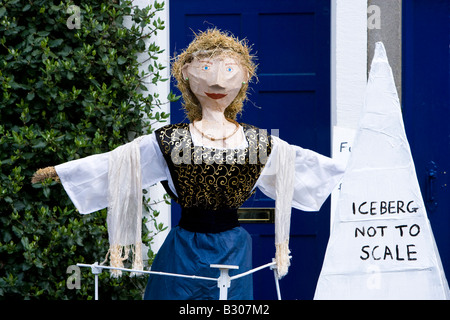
(381, 244)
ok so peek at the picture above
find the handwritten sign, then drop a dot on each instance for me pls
(341, 151)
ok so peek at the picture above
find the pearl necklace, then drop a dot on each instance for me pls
(217, 139)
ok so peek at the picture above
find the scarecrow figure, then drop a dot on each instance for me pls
(210, 166)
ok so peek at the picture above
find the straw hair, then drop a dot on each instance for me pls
(45, 173)
(213, 43)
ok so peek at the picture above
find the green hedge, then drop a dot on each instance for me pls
(67, 93)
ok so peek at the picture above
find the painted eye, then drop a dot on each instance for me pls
(229, 69)
(206, 68)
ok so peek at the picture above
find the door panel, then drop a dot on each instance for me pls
(291, 40)
(426, 109)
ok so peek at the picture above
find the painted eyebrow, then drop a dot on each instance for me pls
(204, 61)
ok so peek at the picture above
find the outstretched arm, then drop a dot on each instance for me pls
(86, 180)
(315, 178)
(45, 173)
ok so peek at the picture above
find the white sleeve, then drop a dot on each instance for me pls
(86, 180)
(315, 178)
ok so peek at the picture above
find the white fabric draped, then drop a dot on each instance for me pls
(284, 185)
(124, 219)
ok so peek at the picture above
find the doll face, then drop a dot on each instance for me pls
(215, 81)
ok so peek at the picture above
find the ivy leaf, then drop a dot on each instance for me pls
(30, 96)
(121, 60)
(55, 43)
(43, 33)
(2, 11)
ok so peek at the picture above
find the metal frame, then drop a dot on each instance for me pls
(223, 281)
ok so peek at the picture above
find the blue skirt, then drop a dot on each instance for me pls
(191, 253)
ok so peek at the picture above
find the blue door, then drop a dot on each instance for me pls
(292, 42)
(426, 108)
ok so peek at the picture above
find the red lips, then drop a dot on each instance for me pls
(215, 95)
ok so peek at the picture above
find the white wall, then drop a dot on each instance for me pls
(348, 61)
(348, 76)
(157, 192)
(163, 88)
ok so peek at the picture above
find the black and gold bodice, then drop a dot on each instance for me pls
(212, 183)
